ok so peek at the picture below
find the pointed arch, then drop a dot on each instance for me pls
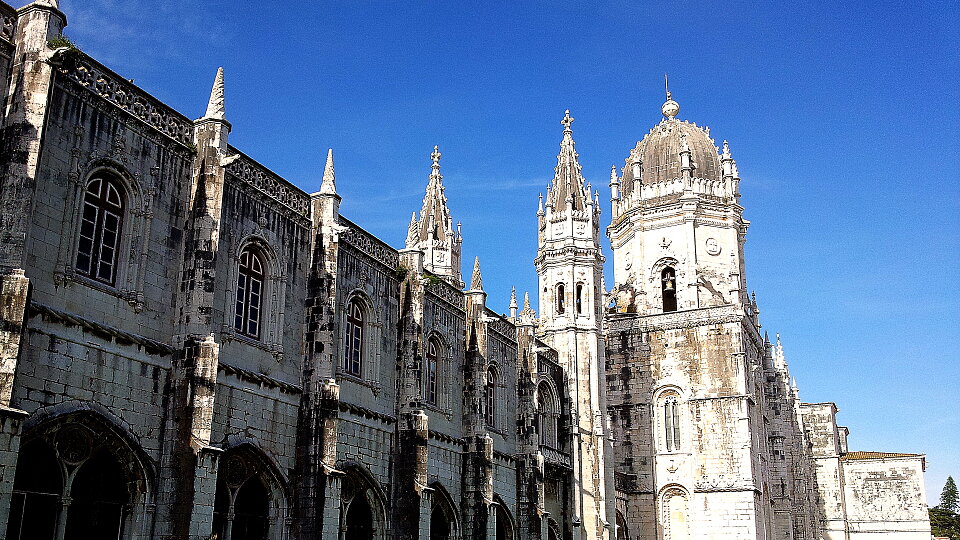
(548, 414)
(359, 338)
(506, 528)
(444, 518)
(83, 472)
(251, 500)
(362, 504)
(674, 502)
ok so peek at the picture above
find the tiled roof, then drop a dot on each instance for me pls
(876, 455)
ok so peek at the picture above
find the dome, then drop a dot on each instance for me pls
(659, 152)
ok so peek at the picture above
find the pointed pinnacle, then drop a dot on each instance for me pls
(513, 298)
(526, 301)
(215, 107)
(476, 284)
(613, 175)
(412, 231)
(329, 184)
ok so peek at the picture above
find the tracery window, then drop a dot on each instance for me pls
(249, 304)
(353, 338)
(101, 223)
(668, 279)
(671, 423)
(432, 371)
(490, 398)
(547, 416)
(561, 308)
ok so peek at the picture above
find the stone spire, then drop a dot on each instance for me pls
(567, 180)
(476, 283)
(513, 303)
(434, 234)
(215, 108)
(329, 184)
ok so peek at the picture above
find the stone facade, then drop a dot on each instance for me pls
(191, 347)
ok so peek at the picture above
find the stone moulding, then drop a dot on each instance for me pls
(269, 183)
(259, 378)
(676, 319)
(370, 245)
(98, 79)
(364, 412)
(115, 334)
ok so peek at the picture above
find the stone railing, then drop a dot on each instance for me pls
(555, 457)
(369, 244)
(448, 293)
(501, 326)
(93, 76)
(269, 183)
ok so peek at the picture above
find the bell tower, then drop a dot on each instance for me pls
(677, 229)
(570, 267)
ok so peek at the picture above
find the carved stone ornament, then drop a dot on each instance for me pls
(713, 247)
(237, 471)
(74, 444)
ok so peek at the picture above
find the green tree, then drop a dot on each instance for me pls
(948, 497)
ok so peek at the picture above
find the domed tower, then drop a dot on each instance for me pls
(677, 229)
(684, 357)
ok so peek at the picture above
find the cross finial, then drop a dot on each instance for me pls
(435, 155)
(567, 120)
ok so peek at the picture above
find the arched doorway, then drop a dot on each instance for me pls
(100, 497)
(504, 525)
(439, 524)
(358, 525)
(361, 507)
(249, 497)
(78, 477)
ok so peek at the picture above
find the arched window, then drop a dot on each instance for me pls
(249, 293)
(561, 308)
(432, 373)
(101, 223)
(353, 339)
(668, 280)
(547, 416)
(671, 423)
(579, 298)
(247, 497)
(490, 398)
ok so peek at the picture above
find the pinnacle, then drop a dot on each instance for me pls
(476, 284)
(329, 184)
(215, 107)
(513, 298)
(412, 232)
(568, 179)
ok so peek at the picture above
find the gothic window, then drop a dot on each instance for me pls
(101, 223)
(547, 416)
(579, 298)
(490, 397)
(668, 280)
(432, 372)
(561, 308)
(249, 293)
(353, 338)
(671, 423)
(247, 497)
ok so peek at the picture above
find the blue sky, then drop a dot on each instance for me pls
(842, 118)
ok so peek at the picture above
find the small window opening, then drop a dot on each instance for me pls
(579, 298)
(561, 308)
(671, 424)
(668, 279)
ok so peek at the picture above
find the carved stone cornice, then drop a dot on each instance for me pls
(368, 244)
(448, 293)
(101, 81)
(622, 322)
(269, 183)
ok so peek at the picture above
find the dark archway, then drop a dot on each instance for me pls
(79, 475)
(439, 524)
(668, 280)
(36, 493)
(504, 525)
(358, 525)
(251, 511)
(100, 498)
